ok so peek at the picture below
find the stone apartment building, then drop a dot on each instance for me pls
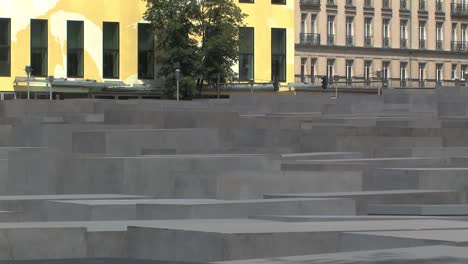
(414, 43)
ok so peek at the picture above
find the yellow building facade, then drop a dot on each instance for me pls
(263, 16)
(125, 17)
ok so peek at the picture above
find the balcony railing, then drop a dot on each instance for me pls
(403, 43)
(310, 39)
(440, 7)
(367, 41)
(331, 39)
(404, 4)
(350, 3)
(349, 40)
(386, 42)
(368, 4)
(421, 83)
(439, 45)
(331, 3)
(459, 9)
(386, 4)
(422, 44)
(459, 46)
(310, 4)
(422, 6)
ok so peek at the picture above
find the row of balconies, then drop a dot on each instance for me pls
(314, 39)
(457, 8)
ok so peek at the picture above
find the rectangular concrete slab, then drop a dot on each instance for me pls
(428, 254)
(229, 241)
(354, 241)
(132, 142)
(32, 207)
(363, 199)
(417, 209)
(141, 209)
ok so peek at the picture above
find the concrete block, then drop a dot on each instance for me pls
(417, 209)
(221, 241)
(33, 208)
(101, 210)
(426, 254)
(363, 199)
(354, 241)
(132, 142)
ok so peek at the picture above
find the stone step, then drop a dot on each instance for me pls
(365, 198)
(101, 210)
(418, 209)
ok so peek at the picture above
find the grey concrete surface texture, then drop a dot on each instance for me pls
(412, 255)
(365, 178)
(144, 209)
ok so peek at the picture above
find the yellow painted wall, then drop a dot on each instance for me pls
(93, 12)
(262, 15)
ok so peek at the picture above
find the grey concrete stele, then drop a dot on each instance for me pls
(256, 178)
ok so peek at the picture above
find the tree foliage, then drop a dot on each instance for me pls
(200, 37)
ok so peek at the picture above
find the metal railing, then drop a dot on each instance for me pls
(368, 4)
(403, 43)
(349, 40)
(331, 39)
(386, 42)
(331, 2)
(307, 78)
(354, 82)
(404, 4)
(459, 9)
(310, 3)
(439, 45)
(367, 41)
(458, 46)
(440, 7)
(310, 39)
(422, 6)
(386, 4)
(422, 44)
(350, 3)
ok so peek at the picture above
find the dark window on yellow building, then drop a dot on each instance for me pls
(5, 49)
(75, 49)
(246, 53)
(39, 47)
(280, 2)
(246, 1)
(111, 52)
(278, 54)
(145, 52)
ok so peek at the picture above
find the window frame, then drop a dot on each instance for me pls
(283, 55)
(7, 47)
(252, 29)
(46, 48)
(109, 50)
(78, 75)
(148, 52)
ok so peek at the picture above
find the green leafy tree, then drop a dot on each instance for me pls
(218, 23)
(200, 37)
